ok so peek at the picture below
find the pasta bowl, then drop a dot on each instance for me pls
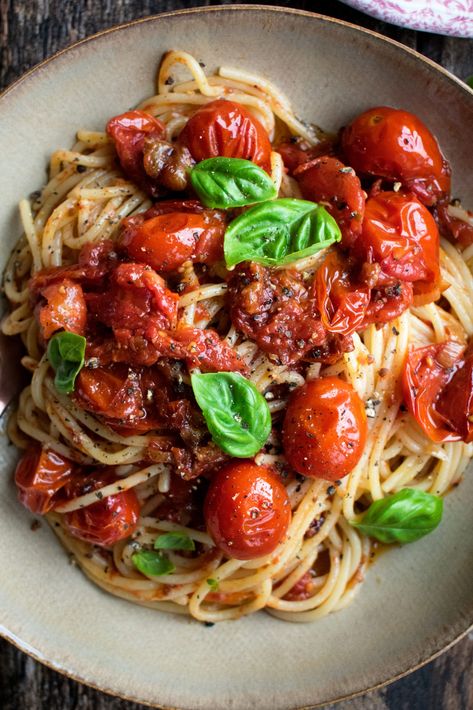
(416, 600)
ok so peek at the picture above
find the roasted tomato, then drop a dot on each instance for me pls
(65, 308)
(328, 181)
(109, 520)
(166, 241)
(426, 373)
(455, 403)
(224, 128)
(247, 510)
(388, 303)
(39, 475)
(400, 234)
(395, 144)
(324, 429)
(113, 392)
(342, 304)
(295, 152)
(129, 132)
(459, 231)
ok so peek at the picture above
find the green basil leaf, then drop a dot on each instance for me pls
(231, 182)
(152, 564)
(237, 415)
(66, 353)
(469, 81)
(213, 584)
(174, 541)
(279, 232)
(403, 517)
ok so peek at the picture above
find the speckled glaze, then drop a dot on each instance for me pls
(416, 600)
(446, 17)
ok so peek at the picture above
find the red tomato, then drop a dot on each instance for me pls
(39, 475)
(129, 131)
(388, 303)
(395, 144)
(293, 155)
(109, 520)
(324, 429)
(303, 589)
(455, 403)
(65, 308)
(247, 510)
(165, 242)
(342, 305)
(328, 181)
(457, 230)
(426, 372)
(224, 128)
(400, 234)
(112, 392)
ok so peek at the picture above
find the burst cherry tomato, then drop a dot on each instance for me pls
(327, 180)
(247, 510)
(324, 429)
(166, 241)
(224, 128)
(129, 131)
(395, 144)
(455, 403)
(65, 308)
(39, 475)
(400, 234)
(109, 520)
(342, 305)
(427, 372)
(113, 392)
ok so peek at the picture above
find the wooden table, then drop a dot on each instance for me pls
(34, 29)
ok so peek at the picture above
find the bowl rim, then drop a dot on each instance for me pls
(447, 641)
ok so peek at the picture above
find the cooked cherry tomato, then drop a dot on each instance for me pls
(225, 128)
(247, 510)
(456, 230)
(39, 475)
(400, 234)
(394, 144)
(65, 308)
(112, 392)
(327, 180)
(109, 520)
(165, 242)
(388, 303)
(455, 403)
(129, 131)
(427, 371)
(342, 304)
(293, 154)
(324, 429)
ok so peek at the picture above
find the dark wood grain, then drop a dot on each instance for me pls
(31, 30)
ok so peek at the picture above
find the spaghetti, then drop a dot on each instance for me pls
(318, 565)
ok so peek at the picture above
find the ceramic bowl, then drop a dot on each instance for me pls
(447, 17)
(416, 600)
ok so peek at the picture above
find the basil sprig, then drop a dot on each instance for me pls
(174, 541)
(405, 516)
(152, 563)
(66, 353)
(279, 232)
(237, 415)
(231, 182)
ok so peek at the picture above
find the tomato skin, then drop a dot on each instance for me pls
(247, 510)
(128, 132)
(423, 379)
(324, 431)
(395, 144)
(225, 128)
(400, 234)
(109, 520)
(342, 305)
(113, 392)
(166, 241)
(455, 403)
(456, 230)
(65, 308)
(328, 180)
(39, 475)
(388, 303)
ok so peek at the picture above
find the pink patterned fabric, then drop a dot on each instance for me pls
(449, 17)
